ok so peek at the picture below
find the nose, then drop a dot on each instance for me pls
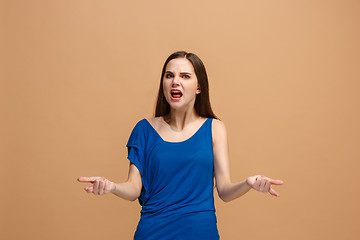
(176, 80)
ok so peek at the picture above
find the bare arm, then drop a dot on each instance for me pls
(226, 189)
(129, 190)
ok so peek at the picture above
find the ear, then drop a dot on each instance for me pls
(198, 91)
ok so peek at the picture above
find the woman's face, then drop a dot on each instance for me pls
(180, 83)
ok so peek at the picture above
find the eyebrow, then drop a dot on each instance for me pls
(180, 72)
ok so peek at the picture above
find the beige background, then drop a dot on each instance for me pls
(76, 76)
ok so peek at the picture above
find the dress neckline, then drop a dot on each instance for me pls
(151, 126)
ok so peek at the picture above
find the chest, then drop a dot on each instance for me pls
(168, 134)
(189, 157)
(173, 136)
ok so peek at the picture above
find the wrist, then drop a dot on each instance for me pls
(113, 187)
(247, 181)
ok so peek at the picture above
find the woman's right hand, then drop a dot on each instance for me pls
(263, 184)
(100, 185)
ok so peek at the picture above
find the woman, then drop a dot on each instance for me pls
(174, 158)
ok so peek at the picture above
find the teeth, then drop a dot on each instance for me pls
(176, 92)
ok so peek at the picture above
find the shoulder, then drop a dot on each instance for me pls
(218, 125)
(139, 133)
(219, 130)
(153, 121)
(140, 124)
(140, 127)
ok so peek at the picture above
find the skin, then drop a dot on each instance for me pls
(179, 125)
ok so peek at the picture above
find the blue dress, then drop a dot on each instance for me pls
(177, 197)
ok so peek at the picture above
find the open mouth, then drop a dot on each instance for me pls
(176, 94)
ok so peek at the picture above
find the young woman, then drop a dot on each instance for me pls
(174, 158)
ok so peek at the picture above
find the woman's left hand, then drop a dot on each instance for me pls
(263, 184)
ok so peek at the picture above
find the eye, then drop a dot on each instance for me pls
(168, 75)
(186, 76)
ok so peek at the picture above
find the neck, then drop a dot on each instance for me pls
(179, 119)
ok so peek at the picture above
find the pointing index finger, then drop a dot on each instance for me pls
(277, 182)
(88, 179)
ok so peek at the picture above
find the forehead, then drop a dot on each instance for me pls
(180, 65)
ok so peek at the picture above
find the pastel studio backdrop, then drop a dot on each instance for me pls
(77, 75)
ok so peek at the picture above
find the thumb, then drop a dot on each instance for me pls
(88, 179)
(273, 192)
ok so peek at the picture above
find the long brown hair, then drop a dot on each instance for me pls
(202, 102)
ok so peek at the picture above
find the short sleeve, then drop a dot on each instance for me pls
(135, 146)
